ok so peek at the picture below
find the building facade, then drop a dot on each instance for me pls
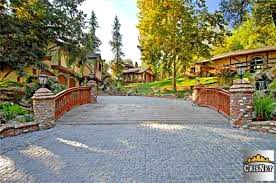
(57, 62)
(137, 74)
(251, 59)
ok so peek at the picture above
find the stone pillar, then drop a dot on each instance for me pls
(93, 90)
(196, 91)
(241, 103)
(44, 108)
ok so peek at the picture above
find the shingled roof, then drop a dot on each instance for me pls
(239, 53)
(137, 70)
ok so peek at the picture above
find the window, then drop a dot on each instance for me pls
(256, 63)
(193, 69)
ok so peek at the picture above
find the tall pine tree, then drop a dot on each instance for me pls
(116, 47)
(94, 40)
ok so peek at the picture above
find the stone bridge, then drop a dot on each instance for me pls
(132, 139)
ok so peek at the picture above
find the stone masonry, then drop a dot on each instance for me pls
(137, 139)
(44, 108)
(241, 99)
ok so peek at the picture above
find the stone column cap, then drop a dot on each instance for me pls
(241, 85)
(43, 93)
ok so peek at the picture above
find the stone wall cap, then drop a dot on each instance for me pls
(43, 93)
(241, 85)
(16, 125)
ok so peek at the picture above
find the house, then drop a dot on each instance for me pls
(59, 66)
(137, 74)
(251, 59)
(95, 67)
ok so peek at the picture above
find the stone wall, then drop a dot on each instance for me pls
(11, 94)
(9, 130)
(262, 126)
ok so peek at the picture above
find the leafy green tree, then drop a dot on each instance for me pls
(116, 47)
(174, 33)
(27, 27)
(264, 12)
(129, 62)
(249, 35)
(23, 33)
(235, 11)
(67, 24)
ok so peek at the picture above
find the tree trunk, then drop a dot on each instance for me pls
(174, 76)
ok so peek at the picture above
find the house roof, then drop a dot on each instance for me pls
(239, 53)
(137, 70)
(93, 55)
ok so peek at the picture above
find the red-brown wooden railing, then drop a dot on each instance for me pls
(214, 98)
(67, 99)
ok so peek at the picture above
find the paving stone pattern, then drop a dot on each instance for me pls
(197, 149)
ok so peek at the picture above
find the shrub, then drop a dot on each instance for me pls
(8, 83)
(225, 77)
(272, 85)
(51, 84)
(263, 105)
(54, 86)
(11, 111)
(30, 90)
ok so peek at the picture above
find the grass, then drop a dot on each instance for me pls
(165, 86)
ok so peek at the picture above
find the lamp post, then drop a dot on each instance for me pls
(43, 79)
(240, 70)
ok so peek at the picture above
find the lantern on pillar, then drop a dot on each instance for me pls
(43, 79)
(240, 70)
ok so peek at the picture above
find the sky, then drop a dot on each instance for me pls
(126, 11)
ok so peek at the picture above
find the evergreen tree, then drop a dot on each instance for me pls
(116, 47)
(94, 40)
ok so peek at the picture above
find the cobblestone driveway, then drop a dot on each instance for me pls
(190, 148)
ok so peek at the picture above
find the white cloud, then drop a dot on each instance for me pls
(105, 11)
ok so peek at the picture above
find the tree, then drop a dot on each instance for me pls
(27, 27)
(248, 36)
(23, 33)
(116, 47)
(235, 11)
(264, 12)
(90, 44)
(129, 62)
(94, 40)
(67, 26)
(174, 33)
(257, 29)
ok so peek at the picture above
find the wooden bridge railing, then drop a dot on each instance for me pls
(214, 98)
(70, 98)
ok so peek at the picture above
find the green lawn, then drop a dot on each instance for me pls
(165, 86)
